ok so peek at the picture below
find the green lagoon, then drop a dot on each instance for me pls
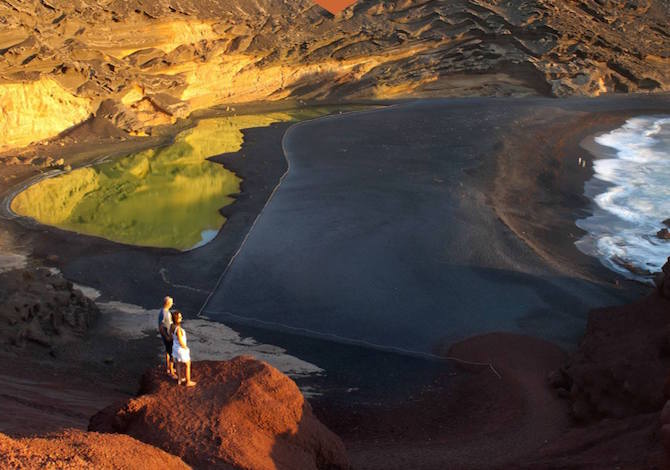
(167, 197)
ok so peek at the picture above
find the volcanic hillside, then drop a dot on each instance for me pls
(141, 64)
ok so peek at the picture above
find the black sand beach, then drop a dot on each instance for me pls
(386, 232)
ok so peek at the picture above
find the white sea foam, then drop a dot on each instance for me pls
(631, 192)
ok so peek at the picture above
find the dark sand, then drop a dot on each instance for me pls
(43, 394)
(384, 232)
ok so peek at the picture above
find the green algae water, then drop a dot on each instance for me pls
(167, 197)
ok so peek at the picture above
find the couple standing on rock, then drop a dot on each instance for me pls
(177, 354)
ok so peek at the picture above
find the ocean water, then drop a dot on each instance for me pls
(630, 191)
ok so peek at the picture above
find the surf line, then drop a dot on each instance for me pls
(6, 211)
(350, 341)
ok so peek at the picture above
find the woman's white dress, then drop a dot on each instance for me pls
(178, 353)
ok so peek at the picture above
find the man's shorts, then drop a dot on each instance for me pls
(168, 346)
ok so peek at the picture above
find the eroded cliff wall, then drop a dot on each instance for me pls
(141, 63)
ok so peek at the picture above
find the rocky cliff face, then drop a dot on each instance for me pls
(143, 63)
(622, 363)
(617, 383)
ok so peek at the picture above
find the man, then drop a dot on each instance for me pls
(164, 324)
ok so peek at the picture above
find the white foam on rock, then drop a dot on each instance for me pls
(631, 193)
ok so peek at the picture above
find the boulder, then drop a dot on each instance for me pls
(84, 450)
(242, 413)
(616, 383)
(42, 307)
(621, 365)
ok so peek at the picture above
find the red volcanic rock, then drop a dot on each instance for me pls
(616, 382)
(84, 450)
(622, 362)
(243, 413)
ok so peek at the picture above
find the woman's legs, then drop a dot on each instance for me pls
(171, 367)
(189, 382)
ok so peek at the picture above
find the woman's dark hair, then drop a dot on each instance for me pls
(174, 316)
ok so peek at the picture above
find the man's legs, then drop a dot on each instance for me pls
(169, 360)
(170, 365)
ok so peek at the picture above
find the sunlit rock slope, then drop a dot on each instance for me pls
(141, 63)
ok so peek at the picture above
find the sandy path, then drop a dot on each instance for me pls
(484, 421)
(42, 404)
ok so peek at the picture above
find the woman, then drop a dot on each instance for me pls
(180, 351)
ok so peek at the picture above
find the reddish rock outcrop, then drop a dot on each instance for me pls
(622, 363)
(84, 450)
(616, 383)
(242, 414)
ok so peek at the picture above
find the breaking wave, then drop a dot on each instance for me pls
(631, 195)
